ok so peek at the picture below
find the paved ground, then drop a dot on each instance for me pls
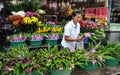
(114, 70)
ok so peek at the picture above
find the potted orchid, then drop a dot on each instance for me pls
(17, 40)
(52, 39)
(21, 62)
(113, 51)
(35, 39)
(60, 62)
(95, 57)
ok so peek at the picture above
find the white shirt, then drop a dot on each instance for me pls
(72, 31)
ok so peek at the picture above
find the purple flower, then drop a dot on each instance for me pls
(11, 63)
(94, 61)
(87, 34)
(36, 37)
(32, 62)
(21, 62)
(35, 66)
(6, 68)
(19, 38)
(15, 39)
(27, 70)
(29, 13)
(72, 49)
(53, 36)
(92, 51)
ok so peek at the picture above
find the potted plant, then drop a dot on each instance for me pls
(21, 62)
(113, 50)
(52, 39)
(59, 62)
(95, 57)
(17, 40)
(35, 39)
(97, 33)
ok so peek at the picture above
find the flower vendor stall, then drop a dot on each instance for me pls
(35, 45)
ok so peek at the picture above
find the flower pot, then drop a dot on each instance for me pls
(86, 39)
(17, 44)
(59, 72)
(35, 42)
(32, 73)
(89, 66)
(111, 62)
(51, 42)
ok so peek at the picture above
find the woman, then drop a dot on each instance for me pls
(71, 31)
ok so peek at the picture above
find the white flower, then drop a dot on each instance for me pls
(21, 13)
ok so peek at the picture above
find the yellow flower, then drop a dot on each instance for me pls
(26, 20)
(29, 22)
(39, 23)
(34, 19)
(39, 30)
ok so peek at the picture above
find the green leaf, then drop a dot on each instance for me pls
(24, 65)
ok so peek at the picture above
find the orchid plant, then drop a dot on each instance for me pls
(17, 37)
(112, 49)
(53, 36)
(95, 55)
(20, 61)
(66, 58)
(35, 36)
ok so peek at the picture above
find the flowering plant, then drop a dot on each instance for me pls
(49, 29)
(20, 61)
(25, 23)
(30, 24)
(87, 26)
(15, 20)
(30, 13)
(17, 37)
(112, 49)
(35, 36)
(63, 59)
(53, 36)
(92, 30)
(95, 55)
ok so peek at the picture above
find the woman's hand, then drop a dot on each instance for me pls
(80, 38)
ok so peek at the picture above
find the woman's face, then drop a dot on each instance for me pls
(77, 18)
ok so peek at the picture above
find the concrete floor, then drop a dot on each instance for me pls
(106, 70)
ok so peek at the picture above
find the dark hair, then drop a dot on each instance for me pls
(75, 13)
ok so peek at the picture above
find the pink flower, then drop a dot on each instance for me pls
(32, 62)
(6, 68)
(36, 37)
(53, 36)
(29, 13)
(27, 70)
(15, 39)
(87, 34)
(34, 66)
(92, 51)
(94, 61)
(72, 49)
